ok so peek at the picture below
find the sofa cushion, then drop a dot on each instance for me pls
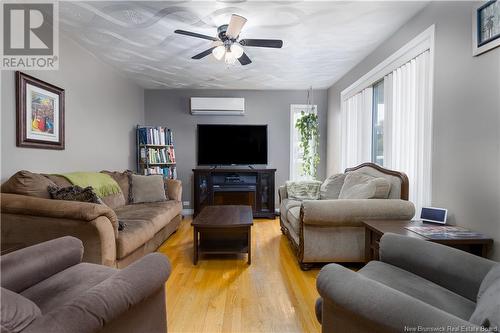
(17, 312)
(361, 186)
(490, 278)
(123, 179)
(303, 190)
(60, 181)
(27, 183)
(286, 204)
(142, 222)
(147, 189)
(114, 200)
(293, 217)
(64, 286)
(419, 288)
(487, 312)
(330, 189)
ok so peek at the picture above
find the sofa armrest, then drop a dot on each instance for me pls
(456, 270)
(84, 211)
(369, 306)
(106, 301)
(174, 189)
(282, 193)
(26, 267)
(350, 212)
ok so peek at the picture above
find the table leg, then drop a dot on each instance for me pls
(249, 245)
(195, 246)
(484, 250)
(368, 237)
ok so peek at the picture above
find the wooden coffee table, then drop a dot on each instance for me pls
(375, 229)
(223, 230)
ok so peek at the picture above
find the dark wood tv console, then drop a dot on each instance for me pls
(235, 186)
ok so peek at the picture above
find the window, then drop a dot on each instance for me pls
(296, 158)
(395, 100)
(378, 124)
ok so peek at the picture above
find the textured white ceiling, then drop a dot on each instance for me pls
(322, 40)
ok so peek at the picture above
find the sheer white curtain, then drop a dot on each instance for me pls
(408, 124)
(356, 132)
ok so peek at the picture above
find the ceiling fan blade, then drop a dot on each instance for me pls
(275, 43)
(194, 34)
(235, 25)
(203, 54)
(244, 59)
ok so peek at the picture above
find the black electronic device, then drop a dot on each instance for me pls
(232, 145)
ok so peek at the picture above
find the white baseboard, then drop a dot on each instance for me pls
(187, 212)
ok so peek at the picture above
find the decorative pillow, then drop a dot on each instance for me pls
(148, 189)
(303, 190)
(27, 183)
(74, 193)
(487, 312)
(330, 189)
(123, 179)
(17, 312)
(361, 186)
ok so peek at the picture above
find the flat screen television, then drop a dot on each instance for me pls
(232, 144)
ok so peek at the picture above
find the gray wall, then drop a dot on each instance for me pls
(102, 108)
(171, 108)
(466, 129)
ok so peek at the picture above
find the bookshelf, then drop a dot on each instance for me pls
(155, 151)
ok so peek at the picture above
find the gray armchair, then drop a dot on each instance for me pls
(46, 288)
(416, 284)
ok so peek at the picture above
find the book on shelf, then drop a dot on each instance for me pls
(159, 136)
(167, 172)
(157, 155)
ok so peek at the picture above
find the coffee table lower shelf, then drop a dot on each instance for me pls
(235, 241)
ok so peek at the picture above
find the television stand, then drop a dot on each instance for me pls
(235, 186)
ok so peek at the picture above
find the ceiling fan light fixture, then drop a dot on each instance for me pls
(230, 58)
(236, 50)
(219, 52)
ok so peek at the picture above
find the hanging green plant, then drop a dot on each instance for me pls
(308, 127)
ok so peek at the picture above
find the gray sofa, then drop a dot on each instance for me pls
(330, 230)
(46, 288)
(416, 284)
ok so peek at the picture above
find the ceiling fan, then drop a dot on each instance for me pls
(227, 45)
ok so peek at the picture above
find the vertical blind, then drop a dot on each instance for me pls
(407, 126)
(356, 128)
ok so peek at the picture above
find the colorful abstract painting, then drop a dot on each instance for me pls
(42, 113)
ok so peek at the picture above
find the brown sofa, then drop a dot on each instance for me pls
(30, 217)
(53, 291)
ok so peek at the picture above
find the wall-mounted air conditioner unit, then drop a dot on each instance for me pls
(217, 106)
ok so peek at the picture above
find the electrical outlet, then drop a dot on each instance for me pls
(186, 203)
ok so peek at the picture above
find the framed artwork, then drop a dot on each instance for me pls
(485, 27)
(39, 113)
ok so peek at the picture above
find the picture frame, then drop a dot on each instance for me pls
(39, 113)
(485, 27)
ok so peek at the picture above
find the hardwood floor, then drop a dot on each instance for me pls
(225, 294)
